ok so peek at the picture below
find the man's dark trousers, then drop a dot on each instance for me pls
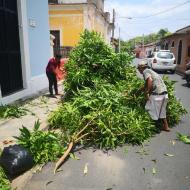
(52, 82)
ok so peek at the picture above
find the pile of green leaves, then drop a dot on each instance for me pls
(112, 121)
(93, 60)
(9, 111)
(174, 107)
(103, 106)
(44, 145)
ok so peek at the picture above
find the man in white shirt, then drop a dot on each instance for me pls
(156, 94)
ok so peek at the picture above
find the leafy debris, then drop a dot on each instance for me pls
(169, 155)
(85, 169)
(154, 171)
(184, 138)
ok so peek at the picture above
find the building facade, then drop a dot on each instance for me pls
(68, 18)
(145, 51)
(24, 48)
(179, 44)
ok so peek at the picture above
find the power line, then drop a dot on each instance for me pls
(160, 21)
(160, 12)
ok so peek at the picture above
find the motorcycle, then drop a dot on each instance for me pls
(187, 73)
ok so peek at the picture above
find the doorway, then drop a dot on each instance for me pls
(56, 41)
(179, 52)
(11, 72)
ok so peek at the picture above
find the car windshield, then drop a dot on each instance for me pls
(165, 55)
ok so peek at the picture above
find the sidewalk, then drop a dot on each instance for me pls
(40, 108)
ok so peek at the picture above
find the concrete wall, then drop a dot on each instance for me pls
(38, 33)
(96, 21)
(99, 4)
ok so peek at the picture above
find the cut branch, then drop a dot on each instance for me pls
(61, 160)
(81, 137)
(76, 136)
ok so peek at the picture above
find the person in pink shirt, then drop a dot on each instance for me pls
(51, 73)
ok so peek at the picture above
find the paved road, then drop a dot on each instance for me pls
(124, 168)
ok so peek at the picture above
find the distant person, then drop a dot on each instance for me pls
(52, 75)
(156, 94)
(187, 70)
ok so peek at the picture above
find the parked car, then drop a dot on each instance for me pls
(162, 60)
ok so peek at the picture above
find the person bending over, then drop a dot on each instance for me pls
(156, 94)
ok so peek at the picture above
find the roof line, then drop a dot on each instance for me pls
(182, 28)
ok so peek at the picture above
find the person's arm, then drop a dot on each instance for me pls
(148, 88)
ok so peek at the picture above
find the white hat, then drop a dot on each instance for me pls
(143, 63)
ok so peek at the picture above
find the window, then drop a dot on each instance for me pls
(165, 55)
(173, 44)
(53, 1)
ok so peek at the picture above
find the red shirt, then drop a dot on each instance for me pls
(52, 66)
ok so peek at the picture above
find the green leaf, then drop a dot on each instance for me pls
(154, 160)
(154, 171)
(37, 125)
(183, 138)
(73, 156)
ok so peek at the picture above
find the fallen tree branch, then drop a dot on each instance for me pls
(61, 160)
(75, 138)
(81, 137)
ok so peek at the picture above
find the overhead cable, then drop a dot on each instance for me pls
(158, 13)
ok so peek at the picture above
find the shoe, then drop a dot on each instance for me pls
(167, 130)
(52, 96)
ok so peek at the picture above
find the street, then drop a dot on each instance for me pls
(70, 100)
(161, 163)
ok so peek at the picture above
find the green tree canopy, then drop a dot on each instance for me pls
(150, 38)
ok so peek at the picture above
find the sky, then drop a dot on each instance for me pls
(140, 23)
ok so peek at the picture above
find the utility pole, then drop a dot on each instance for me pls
(119, 41)
(113, 21)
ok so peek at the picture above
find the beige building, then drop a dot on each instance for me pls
(179, 44)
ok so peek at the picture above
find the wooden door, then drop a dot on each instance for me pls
(10, 56)
(179, 53)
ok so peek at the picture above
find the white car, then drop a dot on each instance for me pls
(162, 60)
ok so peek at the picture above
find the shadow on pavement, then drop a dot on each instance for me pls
(186, 85)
